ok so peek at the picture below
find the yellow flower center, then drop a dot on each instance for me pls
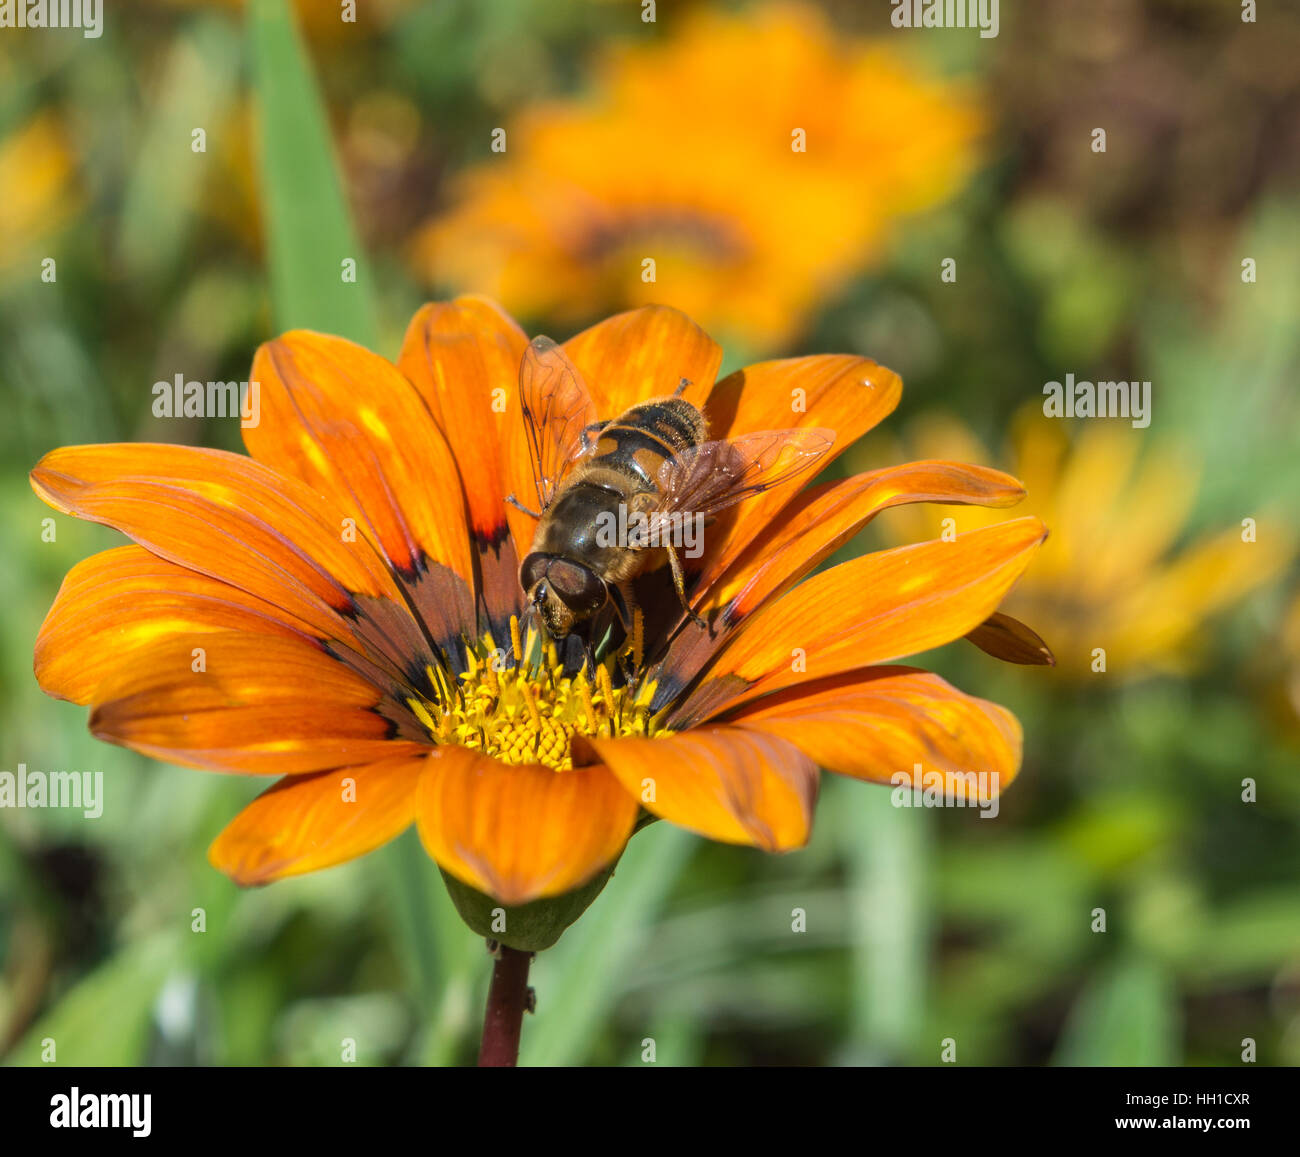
(529, 710)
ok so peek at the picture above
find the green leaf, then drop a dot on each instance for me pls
(885, 848)
(1236, 374)
(678, 1037)
(578, 981)
(1244, 941)
(309, 233)
(105, 1019)
(442, 956)
(1127, 1015)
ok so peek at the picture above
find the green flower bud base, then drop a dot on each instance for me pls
(528, 927)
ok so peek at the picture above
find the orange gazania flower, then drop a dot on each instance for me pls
(341, 609)
(760, 159)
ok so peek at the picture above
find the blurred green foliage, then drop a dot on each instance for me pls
(918, 926)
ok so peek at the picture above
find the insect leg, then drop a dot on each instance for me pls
(679, 582)
(631, 655)
(510, 498)
(624, 601)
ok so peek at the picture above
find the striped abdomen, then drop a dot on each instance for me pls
(639, 441)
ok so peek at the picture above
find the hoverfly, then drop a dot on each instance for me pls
(654, 464)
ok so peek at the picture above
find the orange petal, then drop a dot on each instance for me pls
(819, 521)
(814, 525)
(520, 832)
(1011, 641)
(872, 610)
(233, 519)
(345, 422)
(880, 724)
(464, 359)
(727, 783)
(309, 822)
(258, 703)
(220, 514)
(114, 606)
(644, 353)
(846, 394)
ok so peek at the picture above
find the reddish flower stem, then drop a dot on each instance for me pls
(508, 999)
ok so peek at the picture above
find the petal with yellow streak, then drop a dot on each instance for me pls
(308, 822)
(346, 423)
(238, 521)
(839, 392)
(115, 605)
(880, 725)
(463, 357)
(814, 525)
(519, 832)
(644, 353)
(260, 704)
(727, 783)
(871, 610)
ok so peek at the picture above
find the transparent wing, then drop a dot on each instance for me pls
(556, 408)
(710, 477)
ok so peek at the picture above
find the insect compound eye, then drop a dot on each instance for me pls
(582, 589)
(533, 570)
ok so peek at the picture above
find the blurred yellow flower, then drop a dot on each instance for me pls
(1113, 576)
(758, 159)
(37, 175)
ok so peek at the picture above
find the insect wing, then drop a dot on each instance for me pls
(556, 409)
(710, 477)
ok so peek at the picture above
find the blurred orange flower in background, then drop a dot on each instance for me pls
(686, 153)
(1115, 573)
(368, 669)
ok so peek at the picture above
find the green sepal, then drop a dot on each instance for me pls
(529, 927)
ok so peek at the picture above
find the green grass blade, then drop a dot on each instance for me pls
(106, 1019)
(886, 851)
(1126, 1016)
(579, 980)
(309, 232)
(442, 955)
